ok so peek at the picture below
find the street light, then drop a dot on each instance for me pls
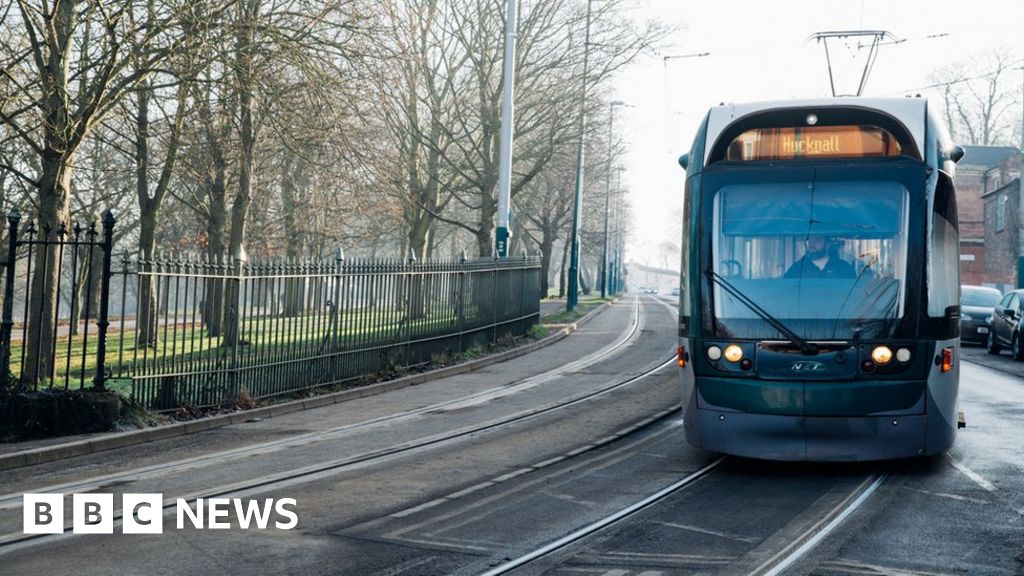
(574, 260)
(507, 112)
(607, 195)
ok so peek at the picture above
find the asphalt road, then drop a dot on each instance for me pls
(466, 505)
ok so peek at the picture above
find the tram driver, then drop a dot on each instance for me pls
(821, 260)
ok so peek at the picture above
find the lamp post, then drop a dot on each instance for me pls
(607, 195)
(574, 259)
(505, 162)
(620, 247)
(1020, 198)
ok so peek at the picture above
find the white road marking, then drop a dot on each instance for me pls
(877, 569)
(971, 474)
(950, 496)
(726, 535)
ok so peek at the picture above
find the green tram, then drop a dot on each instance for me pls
(820, 286)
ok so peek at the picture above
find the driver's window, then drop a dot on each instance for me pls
(1014, 303)
(1005, 303)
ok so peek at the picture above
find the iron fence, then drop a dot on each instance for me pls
(216, 331)
(54, 322)
(199, 332)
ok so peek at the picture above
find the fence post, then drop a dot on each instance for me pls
(8, 315)
(235, 327)
(522, 293)
(494, 299)
(103, 323)
(411, 271)
(339, 263)
(460, 312)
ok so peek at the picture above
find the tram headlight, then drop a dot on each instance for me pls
(733, 353)
(881, 355)
(903, 355)
(714, 353)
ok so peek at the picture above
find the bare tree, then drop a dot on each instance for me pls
(75, 58)
(980, 98)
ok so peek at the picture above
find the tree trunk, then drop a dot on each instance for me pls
(292, 176)
(54, 210)
(145, 318)
(561, 274)
(547, 245)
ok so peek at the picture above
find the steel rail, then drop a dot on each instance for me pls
(774, 566)
(589, 529)
(806, 542)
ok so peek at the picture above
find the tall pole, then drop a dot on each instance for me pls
(607, 196)
(507, 114)
(1020, 196)
(574, 259)
(620, 245)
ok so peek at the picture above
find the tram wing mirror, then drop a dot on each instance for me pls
(684, 160)
(954, 153)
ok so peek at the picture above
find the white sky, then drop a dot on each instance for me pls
(759, 52)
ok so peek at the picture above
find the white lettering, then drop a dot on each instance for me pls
(253, 510)
(43, 513)
(291, 514)
(185, 510)
(92, 513)
(219, 508)
(142, 513)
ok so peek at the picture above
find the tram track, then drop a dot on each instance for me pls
(778, 561)
(12, 542)
(13, 500)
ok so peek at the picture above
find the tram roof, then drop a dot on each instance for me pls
(909, 111)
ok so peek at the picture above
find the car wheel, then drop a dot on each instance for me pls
(990, 344)
(1017, 351)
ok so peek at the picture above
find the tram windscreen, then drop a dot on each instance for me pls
(827, 259)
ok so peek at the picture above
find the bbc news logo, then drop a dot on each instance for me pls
(143, 513)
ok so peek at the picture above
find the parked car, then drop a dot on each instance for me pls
(675, 291)
(1004, 331)
(976, 306)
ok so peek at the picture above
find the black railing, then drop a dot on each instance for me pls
(288, 326)
(190, 331)
(61, 294)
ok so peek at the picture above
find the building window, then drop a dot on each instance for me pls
(1001, 213)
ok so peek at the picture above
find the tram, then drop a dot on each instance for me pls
(820, 284)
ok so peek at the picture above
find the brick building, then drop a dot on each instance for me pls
(1001, 211)
(984, 175)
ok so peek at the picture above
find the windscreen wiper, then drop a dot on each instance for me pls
(805, 347)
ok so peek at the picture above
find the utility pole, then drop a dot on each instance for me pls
(607, 195)
(574, 259)
(1020, 196)
(507, 114)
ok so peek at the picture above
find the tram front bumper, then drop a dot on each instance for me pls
(814, 438)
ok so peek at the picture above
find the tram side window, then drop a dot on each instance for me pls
(944, 263)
